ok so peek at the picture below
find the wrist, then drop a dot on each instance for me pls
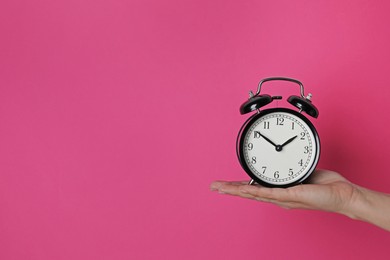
(356, 203)
(369, 206)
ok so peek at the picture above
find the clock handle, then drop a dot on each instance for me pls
(280, 78)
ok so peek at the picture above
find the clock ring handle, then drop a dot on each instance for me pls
(280, 78)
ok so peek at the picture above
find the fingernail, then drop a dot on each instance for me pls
(213, 187)
(221, 191)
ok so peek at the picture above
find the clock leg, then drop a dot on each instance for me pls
(252, 182)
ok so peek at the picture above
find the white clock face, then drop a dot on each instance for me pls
(280, 148)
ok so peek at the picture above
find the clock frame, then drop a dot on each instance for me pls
(241, 147)
(254, 104)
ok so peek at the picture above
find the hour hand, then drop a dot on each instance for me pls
(289, 141)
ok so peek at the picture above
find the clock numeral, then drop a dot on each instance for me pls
(306, 149)
(301, 162)
(254, 160)
(290, 172)
(292, 125)
(250, 146)
(266, 125)
(276, 175)
(279, 121)
(256, 134)
(264, 169)
(303, 134)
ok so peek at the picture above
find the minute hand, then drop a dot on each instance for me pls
(289, 141)
(268, 140)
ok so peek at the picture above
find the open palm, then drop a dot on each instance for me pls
(326, 190)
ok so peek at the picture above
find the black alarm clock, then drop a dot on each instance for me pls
(278, 147)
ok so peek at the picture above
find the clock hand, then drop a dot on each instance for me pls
(289, 141)
(268, 140)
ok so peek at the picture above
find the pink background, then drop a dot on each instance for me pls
(116, 115)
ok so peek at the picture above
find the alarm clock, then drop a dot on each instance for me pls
(278, 147)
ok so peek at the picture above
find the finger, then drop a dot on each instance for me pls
(283, 204)
(248, 191)
(289, 205)
(233, 188)
(217, 184)
(275, 194)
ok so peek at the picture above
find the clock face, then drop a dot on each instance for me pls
(279, 147)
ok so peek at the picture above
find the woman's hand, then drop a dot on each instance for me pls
(326, 190)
